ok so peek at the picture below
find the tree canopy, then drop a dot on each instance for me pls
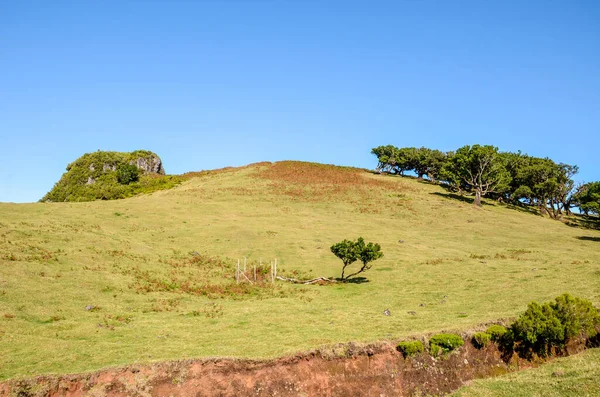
(423, 161)
(588, 198)
(484, 171)
(350, 251)
(479, 168)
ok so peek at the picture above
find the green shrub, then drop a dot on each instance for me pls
(445, 342)
(538, 328)
(435, 350)
(410, 348)
(481, 339)
(496, 332)
(577, 316)
(127, 173)
(552, 324)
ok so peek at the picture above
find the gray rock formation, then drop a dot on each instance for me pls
(149, 164)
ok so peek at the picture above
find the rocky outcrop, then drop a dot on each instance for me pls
(93, 176)
(109, 167)
(149, 164)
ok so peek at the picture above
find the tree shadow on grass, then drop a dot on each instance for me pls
(464, 199)
(572, 220)
(524, 208)
(588, 238)
(584, 222)
(355, 280)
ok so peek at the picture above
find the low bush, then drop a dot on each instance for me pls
(410, 348)
(538, 329)
(496, 332)
(445, 343)
(552, 324)
(481, 339)
(578, 317)
(435, 350)
(127, 173)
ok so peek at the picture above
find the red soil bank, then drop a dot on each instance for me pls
(359, 371)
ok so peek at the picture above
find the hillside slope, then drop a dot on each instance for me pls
(89, 285)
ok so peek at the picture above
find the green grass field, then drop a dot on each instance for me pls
(575, 376)
(456, 266)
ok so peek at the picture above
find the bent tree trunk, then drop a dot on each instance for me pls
(477, 201)
(344, 269)
(362, 269)
(431, 177)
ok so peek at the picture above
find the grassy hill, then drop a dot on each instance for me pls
(96, 284)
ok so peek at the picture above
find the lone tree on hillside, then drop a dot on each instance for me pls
(351, 251)
(481, 168)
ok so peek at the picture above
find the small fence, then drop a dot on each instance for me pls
(268, 273)
(257, 273)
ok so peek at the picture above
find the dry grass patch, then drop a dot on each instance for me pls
(315, 182)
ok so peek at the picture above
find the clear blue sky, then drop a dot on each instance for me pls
(208, 84)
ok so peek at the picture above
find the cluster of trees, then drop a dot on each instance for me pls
(486, 172)
(422, 161)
